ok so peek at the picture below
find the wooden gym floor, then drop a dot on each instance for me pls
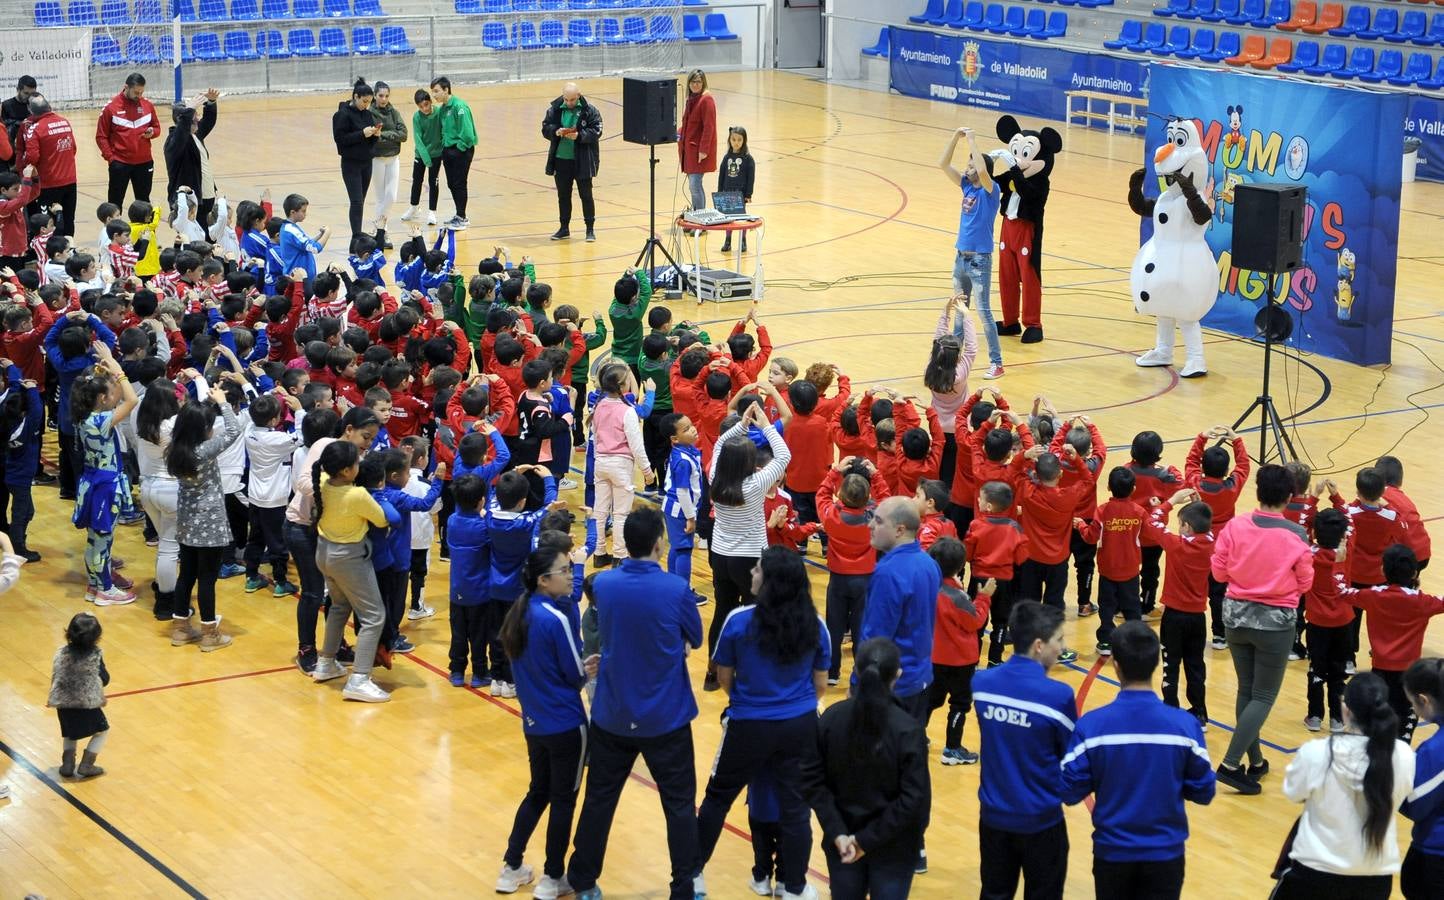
(230, 775)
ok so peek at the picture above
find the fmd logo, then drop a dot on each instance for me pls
(971, 62)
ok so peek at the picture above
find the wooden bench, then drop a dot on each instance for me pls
(1135, 118)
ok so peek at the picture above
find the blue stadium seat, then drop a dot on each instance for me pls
(579, 32)
(717, 30)
(1196, 9)
(1386, 21)
(1094, 4)
(245, 11)
(271, 44)
(148, 12)
(1057, 26)
(82, 12)
(551, 5)
(1201, 44)
(992, 18)
(1436, 81)
(364, 42)
(1173, 8)
(1417, 70)
(664, 30)
(1306, 53)
(634, 29)
(1177, 40)
(140, 51)
(553, 33)
(332, 42)
(1411, 28)
(468, 7)
(1012, 21)
(105, 50)
(237, 45)
(1154, 35)
(368, 9)
(1435, 34)
(1390, 65)
(1278, 11)
(610, 31)
(302, 42)
(524, 33)
(1355, 21)
(953, 13)
(336, 9)
(1249, 12)
(1221, 11)
(275, 9)
(1036, 24)
(523, 5)
(883, 46)
(213, 11)
(495, 6)
(206, 45)
(929, 16)
(395, 42)
(306, 9)
(1129, 33)
(692, 29)
(48, 14)
(1333, 58)
(1228, 45)
(183, 8)
(493, 37)
(115, 12)
(1360, 61)
(973, 14)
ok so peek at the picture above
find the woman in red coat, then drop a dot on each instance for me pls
(697, 141)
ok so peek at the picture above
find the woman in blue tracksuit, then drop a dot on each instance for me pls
(542, 637)
(772, 659)
(1422, 876)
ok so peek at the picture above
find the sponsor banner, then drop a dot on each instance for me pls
(59, 58)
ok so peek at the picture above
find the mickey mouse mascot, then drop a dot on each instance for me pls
(1175, 276)
(1028, 159)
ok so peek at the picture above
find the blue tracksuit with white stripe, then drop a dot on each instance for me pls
(548, 674)
(1425, 804)
(1141, 759)
(1026, 720)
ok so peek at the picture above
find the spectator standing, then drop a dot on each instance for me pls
(15, 110)
(386, 161)
(49, 145)
(123, 133)
(574, 128)
(458, 146)
(697, 140)
(356, 131)
(187, 161)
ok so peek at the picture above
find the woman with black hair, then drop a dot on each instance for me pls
(772, 659)
(1422, 875)
(355, 130)
(868, 783)
(542, 638)
(187, 161)
(1350, 784)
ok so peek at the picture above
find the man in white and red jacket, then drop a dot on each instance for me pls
(48, 142)
(123, 133)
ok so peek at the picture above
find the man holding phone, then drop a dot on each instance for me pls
(574, 128)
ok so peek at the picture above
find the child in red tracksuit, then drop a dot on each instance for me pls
(918, 453)
(1393, 471)
(1398, 614)
(1084, 437)
(996, 546)
(1375, 527)
(1157, 481)
(1329, 620)
(1184, 627)
(964, 494)
(1206, 471)
(845, 502)
(845, 432)
(15, 192)
(1048, 522)
(1115, 528)
(807, 437)
(783, 527)
(1303, 505)
(932, 499)
(956, 643)
(994, 448)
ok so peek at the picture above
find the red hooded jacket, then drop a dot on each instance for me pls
(124, 130)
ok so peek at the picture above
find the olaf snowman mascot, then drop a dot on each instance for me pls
(1175, 276)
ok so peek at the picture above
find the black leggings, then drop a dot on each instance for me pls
(301, 543)
(731, 587)
(356, 176)
(199, 569)
(418, 168)
(458, 169)
(556, 776)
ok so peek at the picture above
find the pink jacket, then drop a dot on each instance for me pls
(947, 405)
(1265, 558)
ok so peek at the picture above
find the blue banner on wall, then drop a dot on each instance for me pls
(1340, 143)
(1426, 122)
(1023, 79)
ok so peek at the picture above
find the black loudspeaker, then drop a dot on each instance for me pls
(1268, 227)
(649, 110)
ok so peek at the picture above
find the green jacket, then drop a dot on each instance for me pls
(426, 137)
(659, 371)
(582, 370)
(393, 131)
(471, 317)
(627, 321)
(457, 128)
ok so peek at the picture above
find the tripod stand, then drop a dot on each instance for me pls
(654, 243)
(1276, 326)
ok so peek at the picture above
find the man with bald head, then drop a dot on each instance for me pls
(902, 599)
(574, 128)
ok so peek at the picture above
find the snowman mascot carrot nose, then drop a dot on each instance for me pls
(1174, 276)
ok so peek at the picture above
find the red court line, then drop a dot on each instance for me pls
(1083, 690)
(181, 684)
(634, 776)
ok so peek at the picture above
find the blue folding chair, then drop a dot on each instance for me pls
(1057, 26)
(364, 42)
(1202, 43)
(973, 14)
(1249, 12)
(553, 33)
(634, 29)
(1129, 33)
(1173, 8)
(237, 45)
(468, 7)
(1228, 45)
(332, 42)
(336, 9)
(1355, 21)
(1154, 35)
(1435, 34)
(140, 51)
(82, 12)
(992, 19)
(952, 13)
(207, 47)
(1417, 70)
(580, 33)
(611, 31)
(302, 43)
(495, 6)
(368, 9)
(1178, 39)
(306, 9)
(1390, 65)
(494, 37)
(395, 42)
(214, 11)
(1360, 62)
(1278, 11)
(1036, 24)
(524, 33)
(664, 30)
(1386, 21)
(148, 12)
(105, 50)
(692, 30)
(1411, 28)
(1012, 22)
(1333, 58)
(115, 12)
(245, 11)
(1196, 9)
(275, 9)
(1223, 10)
(717, 30)
(271, 45)
(49, 14)
(1436, 81)
(933, 12)
(1306, 53)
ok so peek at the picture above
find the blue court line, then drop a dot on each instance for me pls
(101, 821)
(1224, 725)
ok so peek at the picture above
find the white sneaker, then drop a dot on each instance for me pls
(498, 688)
(113, 596)
(327, 668)
(1349, 667)
(362, 688)
(431, 217)
(425, 612)
(409, 214)
(510, 879)
(699, 886)
(702, 543)
(510, 691)
(549, 888)
(808, 893)
(761, 888)
(567, 485)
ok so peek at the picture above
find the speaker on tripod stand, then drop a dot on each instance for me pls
(1268, 238)
(649, 116)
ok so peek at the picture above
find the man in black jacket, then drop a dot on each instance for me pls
(14, 111)
(187, 161)
(574, 127)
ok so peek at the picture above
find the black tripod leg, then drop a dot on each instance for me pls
(1281, 436)
(1263, 436)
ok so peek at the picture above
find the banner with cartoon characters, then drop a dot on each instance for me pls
(1343, 145)
(1023, 79)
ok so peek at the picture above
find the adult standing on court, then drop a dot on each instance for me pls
(772, 661)
(902, 599)
(973, 264)
(187, 160)
(647, 621)
(14, 110)
(1266, 562)
(48, 143)
(386, 161)
(123, 133)
(574, 128)
(697, 140)
(356, 131)
(458, 146)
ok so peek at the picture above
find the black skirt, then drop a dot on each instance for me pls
(76, 724)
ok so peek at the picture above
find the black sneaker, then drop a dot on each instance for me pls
(445, 553)
(306, 660)
(44, 479)
(603, 560)
(921, 868)
(29, 556)
(591, 236)
(1259, 771)
(710, 684)
(345, 654)
(1238, 779)
(562, 234)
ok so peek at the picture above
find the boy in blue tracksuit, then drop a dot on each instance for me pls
(1140, 759)
(1025, 720)
(22, 416)
(468, 542)
(1423, 870)
(902, 600)
(371, 475)
(67, 348)
(683, 493)
(513, 535)
(397, 576)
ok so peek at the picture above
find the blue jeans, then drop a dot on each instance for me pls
(979, 268)
(699, 194)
